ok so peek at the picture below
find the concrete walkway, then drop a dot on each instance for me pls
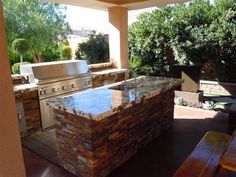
(162, 157)
(183, 112)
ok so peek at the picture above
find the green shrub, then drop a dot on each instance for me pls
(51, 53)
(95, 50)
(136, 65)
(191, 33)
(65, 52)
(16, 67)
(149, 42)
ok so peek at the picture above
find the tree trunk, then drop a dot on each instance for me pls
(38, 58)
(35, 58)
(21, 58)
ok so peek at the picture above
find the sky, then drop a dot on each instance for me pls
(88, 18)
(95, 19)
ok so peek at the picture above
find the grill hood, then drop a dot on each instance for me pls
(52, 70)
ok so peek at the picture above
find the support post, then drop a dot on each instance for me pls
(118, 36)
(11, 159)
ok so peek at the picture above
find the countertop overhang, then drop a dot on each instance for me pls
(24, 88)
(98, 103)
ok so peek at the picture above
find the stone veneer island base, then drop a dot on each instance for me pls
(89, 147)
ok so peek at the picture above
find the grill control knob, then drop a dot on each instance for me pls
(45, 92)
(41, 92)
(72, 85)
(63, 87)
(53, 90)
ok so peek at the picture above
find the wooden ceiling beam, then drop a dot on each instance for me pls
(106, 4)
(121, 2)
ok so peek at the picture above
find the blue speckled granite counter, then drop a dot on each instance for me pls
(101, 102)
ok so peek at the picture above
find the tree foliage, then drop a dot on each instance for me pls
(148, 41)
(222, 35)
(194, 32)
(65, 52)
(95, 50)
(51, 52)
(40, 22)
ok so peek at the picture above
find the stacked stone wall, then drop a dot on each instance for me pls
(29, 99)
(93, 148)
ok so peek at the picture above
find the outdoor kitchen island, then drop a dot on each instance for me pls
(99, 129)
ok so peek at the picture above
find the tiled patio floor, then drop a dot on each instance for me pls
(161, 158)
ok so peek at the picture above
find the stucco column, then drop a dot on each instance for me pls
(118, 36)
(11, 159)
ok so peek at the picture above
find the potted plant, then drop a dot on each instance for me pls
(20, 46)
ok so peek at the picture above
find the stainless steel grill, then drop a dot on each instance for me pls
(56, 79)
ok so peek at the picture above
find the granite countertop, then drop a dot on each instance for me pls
(110, 71)
(24, 87)
(101, 102)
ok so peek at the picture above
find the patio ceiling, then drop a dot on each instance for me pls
(130, 4)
